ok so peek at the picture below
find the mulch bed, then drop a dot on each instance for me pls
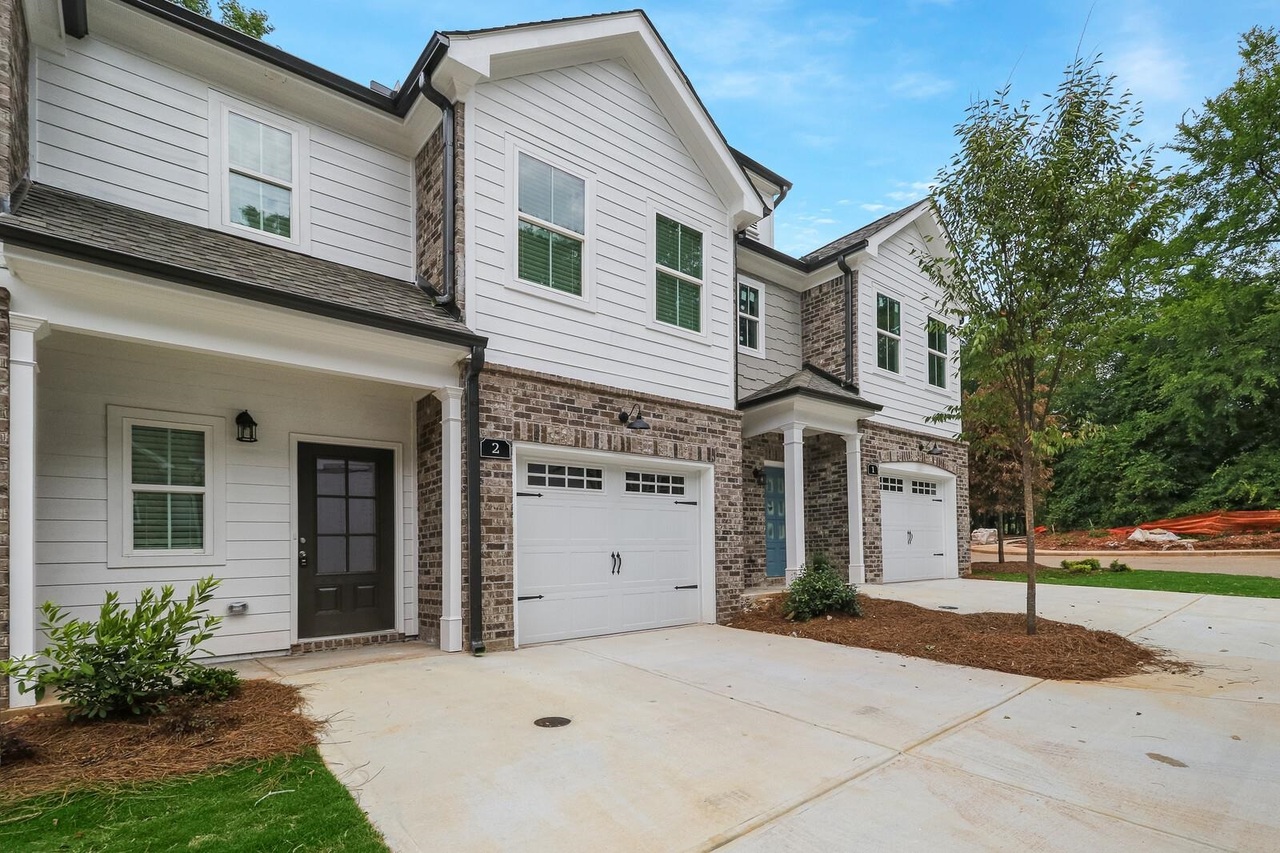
(264, 719)
(1083, 540)
(1007, 567)
(996, 641)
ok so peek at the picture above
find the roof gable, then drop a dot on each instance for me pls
(496, 54)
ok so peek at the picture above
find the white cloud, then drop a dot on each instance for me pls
(919, 85)
(1152, 71)
(874, 208)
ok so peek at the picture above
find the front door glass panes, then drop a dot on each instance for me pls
(346, 516)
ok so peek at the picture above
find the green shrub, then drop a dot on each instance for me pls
(128, 661)
(818, 591)
(1087, 566)
(1117, 566)
(209, 682)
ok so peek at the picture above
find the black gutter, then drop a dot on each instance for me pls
(75, 18)
(750, 164)
(11, 233)
(798, 263)
(475, 573)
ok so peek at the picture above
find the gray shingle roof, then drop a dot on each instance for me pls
(69, 223)
(838, 247)
(810, 381)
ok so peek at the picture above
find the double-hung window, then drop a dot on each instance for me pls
(679, 274)
(937, 341)
(260, 176)
(888, 333)
(750, 335)
(552, 226)
(166, 484)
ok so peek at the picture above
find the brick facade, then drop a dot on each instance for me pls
(428, 169)
(882, 444)
(4, 490)
(823, 316)
(14, 95)
(430, 522)
(539, 408)
(826, 500)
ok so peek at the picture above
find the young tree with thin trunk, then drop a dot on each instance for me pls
(1045, 211)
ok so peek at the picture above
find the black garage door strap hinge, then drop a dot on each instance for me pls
(688, 586)
(940, 554)
(528, 494)
(528, 597)
(937, 500)
(687, 503)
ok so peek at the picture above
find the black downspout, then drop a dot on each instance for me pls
(447, 298)
(850, 315)
(474, 567)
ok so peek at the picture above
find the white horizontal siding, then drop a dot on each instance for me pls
(114, 125)
(781, 330)
(600, 117)
(81, 376)
(908, 398)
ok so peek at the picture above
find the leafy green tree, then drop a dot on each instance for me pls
(1045, 210)
(251, 22)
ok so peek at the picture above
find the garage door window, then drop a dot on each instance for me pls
(642, 482)
(923, 487)
(891, 484)
(565, 477)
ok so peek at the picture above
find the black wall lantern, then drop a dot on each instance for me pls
(633, 418)
(932, 451)
(757, 474)
(246, 427)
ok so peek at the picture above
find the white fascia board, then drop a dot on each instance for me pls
(628, 36)
(768, 269)
(922, 211)
(813, 414)
(80, 297)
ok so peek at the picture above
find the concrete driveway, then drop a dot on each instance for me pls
(710, 738)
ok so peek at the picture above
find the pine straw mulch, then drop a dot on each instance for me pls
(1008, 567)
(264, 719)
(996, 641)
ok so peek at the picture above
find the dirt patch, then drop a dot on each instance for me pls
(1008, 568)
(264, 719)
(996, 641)
(1102, 540)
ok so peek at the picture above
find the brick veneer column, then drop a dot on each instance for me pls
(4, 490)
(428, 169)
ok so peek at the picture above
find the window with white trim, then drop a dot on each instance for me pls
(260, 175)
(565, 476)
(750, 311)
(166, 484)
(650, 483)
(552, 225)
(678, 255)
(936, 333)
(891, 484)
(888, 333)
(923, 487)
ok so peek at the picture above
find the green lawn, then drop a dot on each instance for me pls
(1248, 585)
(283, 804)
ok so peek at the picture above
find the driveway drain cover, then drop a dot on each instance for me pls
(551, 722)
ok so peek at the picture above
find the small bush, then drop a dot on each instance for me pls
(819, 591)
(128, 661)
(1086, 566)
(208, 682)
(1117, 566)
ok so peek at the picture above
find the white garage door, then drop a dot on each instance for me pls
(913, 525)
(604, 548)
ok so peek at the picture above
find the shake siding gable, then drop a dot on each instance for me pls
(599, 120)
(780, 327)
(115, 125)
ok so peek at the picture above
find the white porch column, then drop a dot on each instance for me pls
(793, 475)
(853, 461)
(451, 519)
(24, 331)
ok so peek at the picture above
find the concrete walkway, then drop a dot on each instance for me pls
(1257, 563)
(706, 738)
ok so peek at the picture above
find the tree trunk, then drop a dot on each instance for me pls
(1000, 537)
(1029, 506)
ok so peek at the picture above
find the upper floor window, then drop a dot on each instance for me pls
(750, 310)
(552, 226)
(888, 332)
(260, 178)
(937, 341)
(679, 274)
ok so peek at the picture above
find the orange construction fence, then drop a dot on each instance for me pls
(1213, 523)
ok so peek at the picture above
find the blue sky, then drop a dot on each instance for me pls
(855, 102)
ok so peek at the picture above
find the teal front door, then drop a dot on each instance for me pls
(775, 523)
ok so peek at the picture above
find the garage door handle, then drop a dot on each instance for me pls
(613, 555)
(528, 598)
(688, 586)
(940, 554)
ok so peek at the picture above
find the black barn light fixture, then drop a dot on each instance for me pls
(932, 451)
(633, 418)
(246, 427)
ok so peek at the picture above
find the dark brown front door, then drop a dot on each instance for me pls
(346, 545)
